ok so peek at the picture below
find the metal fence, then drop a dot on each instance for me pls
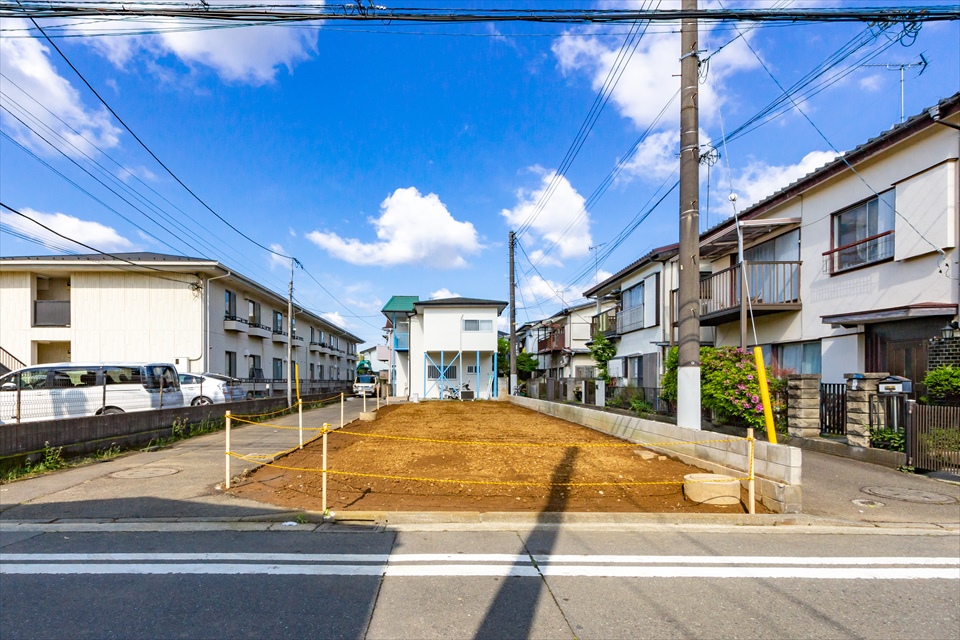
(933, 437)
(833, 409)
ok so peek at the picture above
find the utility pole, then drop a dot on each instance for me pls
(513, 320)
(290, 339)
(596, 270)
(688, 374)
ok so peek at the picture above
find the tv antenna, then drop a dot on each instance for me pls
(902, 67)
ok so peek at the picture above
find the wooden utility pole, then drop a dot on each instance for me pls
(688, 316)
(513, 321)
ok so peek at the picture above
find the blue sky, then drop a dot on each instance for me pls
(394, 159)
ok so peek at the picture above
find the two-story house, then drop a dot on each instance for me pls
(441, 345)
(193, 312)
(852, 268)
(637, 320)
(562, 342)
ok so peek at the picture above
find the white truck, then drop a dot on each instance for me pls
(367, 382)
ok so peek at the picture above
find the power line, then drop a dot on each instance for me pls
(94, 249)
(357, 12)
(144, 145)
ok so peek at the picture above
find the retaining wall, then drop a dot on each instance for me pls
(126, 430)
(776, 467)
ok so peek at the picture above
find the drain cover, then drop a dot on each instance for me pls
(908, 495)
(144, 472)
(873, 504)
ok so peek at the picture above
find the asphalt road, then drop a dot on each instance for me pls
(549, 582)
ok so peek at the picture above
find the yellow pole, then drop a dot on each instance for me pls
(226, 455)
(751, 487)
(296, 368)
(323, 491)
(765, 395)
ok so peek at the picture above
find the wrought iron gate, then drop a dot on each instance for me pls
(833, 409)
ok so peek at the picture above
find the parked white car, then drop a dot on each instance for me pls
(209, 388)
(72, 390)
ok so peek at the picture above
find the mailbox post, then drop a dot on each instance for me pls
(894, 391)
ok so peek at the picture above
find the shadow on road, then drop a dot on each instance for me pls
(513, 609)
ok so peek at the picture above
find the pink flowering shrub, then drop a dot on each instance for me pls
(728, 384)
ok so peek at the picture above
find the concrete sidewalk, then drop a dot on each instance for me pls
(182, 483)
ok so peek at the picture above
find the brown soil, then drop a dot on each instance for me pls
(419, 465)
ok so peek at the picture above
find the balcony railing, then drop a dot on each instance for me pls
(630, 320)
(857, 254)
(553, 342)
(771, 287)
(401, 341)
(51, 313)
(605, 323)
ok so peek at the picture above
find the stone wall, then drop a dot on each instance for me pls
(860, 386)
(776, 467)
(803, 405)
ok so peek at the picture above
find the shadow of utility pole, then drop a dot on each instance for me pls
(512, 612)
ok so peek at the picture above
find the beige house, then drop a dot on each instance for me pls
(852, 268)
(193, 312)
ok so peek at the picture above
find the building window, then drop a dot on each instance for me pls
(311, 371)
(478, 325)
(277, 369)
(230, 305)
(630, 317)
(256, 372)
(798, 357)
(862, 234)
(278, 321)
(230, 363)
(472, 369)
(319, 372)
(253, 312)
(433, 372)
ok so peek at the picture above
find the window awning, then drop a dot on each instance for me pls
(908, 312)
(724, 241)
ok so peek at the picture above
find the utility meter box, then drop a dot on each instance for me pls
(895, 384)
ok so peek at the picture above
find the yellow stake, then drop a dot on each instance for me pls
(765, 395)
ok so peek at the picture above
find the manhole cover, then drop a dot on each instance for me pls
(144, 472)
(908, 495)
(873, 504)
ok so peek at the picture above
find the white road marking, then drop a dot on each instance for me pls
(558, 559)
(460, 570)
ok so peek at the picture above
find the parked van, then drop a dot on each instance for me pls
(72, 390)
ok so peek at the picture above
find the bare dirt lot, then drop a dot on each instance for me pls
(552, 471)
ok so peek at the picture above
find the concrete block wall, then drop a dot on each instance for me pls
(803, 405)
(776, 467)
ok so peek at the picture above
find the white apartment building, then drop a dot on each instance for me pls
(442, 344)
(193, 312)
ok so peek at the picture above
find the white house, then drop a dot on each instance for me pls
(639, 323)
(443, 344)
(854, 267)
(193, 312)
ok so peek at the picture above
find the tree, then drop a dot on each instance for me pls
(602, 351)
(503, 357)
(526, 364)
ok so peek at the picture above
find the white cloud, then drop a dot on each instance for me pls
(536, 290)
(649, 81)
(250, 55)
(562, 220)
(30, 78)
(871, 83)
(444, 293)
(335, 318)
(759, 180)
(94, 234)
(279, 262)
(412, 229)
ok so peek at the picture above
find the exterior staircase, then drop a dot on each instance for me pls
(9, 362)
